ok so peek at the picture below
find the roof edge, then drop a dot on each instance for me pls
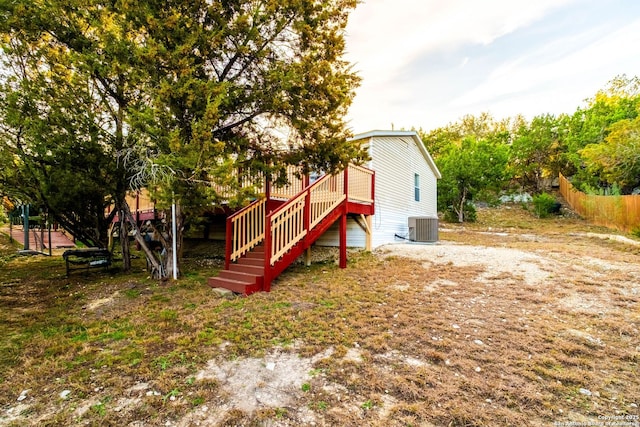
(373, 133)
(410, 133)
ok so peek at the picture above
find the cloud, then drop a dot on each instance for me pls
(427, 63)
(566, 59)
(384, 35)
(385, 38)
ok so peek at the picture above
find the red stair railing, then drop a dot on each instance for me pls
(283, 229)
(245, 228)
(291, 222)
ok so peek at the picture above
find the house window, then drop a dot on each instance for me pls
(416, 187)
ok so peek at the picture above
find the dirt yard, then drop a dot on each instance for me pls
(508, 322)
(525, 323)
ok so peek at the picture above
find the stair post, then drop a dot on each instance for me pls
(306, 218)
(266, 281)
(343, 221)
(228, 243)
(306, 215)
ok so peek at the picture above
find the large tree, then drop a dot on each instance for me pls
(473, 167)
(202, 91)
(243, 86)
(472, 157)
(484, 126)
(65, 105)
(620, 100)
(616, 160)
(536, 154)
(52, 142)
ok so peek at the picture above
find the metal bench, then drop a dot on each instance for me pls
(84, 259)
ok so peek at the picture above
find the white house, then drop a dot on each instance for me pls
(405, 187)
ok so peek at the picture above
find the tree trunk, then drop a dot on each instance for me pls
(463, 201)
(158, 270)
(124, 242)
(121, 201)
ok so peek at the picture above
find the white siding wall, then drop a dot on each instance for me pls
(395, 160)
(428, 205)
(394, 187)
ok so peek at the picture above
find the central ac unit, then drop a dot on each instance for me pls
(423, 229)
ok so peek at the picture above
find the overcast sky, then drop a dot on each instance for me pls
(427, 63)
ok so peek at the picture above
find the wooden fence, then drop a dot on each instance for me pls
(621, 212)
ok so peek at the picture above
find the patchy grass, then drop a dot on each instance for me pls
(389, 340)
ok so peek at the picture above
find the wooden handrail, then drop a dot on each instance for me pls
(292, 221)
(245, 229)
(253, 180)
(296, 183)
(325, 195)
(287, 225)
(360, 188)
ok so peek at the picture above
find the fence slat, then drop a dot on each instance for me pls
(620, 212)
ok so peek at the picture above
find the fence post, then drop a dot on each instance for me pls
(49, 231)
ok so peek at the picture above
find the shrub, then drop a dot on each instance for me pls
(491, 198)
(612, 190)
(544, 205)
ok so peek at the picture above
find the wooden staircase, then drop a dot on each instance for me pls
(246, 276)
(264, 238)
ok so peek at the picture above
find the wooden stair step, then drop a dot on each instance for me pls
(255, 255)
(257, 262)
(233, 285)
(241, 276)
(250, 269)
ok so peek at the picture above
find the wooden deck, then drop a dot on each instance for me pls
(40, 240)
